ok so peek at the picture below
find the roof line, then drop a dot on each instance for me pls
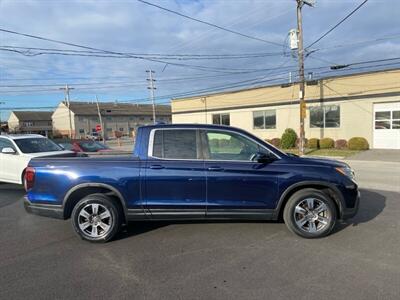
(280, 84)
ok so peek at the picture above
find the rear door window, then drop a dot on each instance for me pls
(176, 144)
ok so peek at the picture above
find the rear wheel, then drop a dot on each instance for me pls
(310, 213)
(96, 218)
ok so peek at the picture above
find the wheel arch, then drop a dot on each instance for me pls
(328, 188)
(82, 190)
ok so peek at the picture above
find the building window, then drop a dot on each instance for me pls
(387, 119)
(81, 119)
(81, 131)
(264, 119)
(121, 129)
(109, 129)
(325, 116)
(109, 118)
(28, 124)
(221, 119)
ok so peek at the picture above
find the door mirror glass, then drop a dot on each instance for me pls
(8, 150)
(262, 157)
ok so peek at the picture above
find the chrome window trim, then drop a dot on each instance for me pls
(153, 131)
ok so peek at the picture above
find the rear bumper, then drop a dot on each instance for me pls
(45, 210)
(351, 212)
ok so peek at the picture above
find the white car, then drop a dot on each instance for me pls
(17, 150)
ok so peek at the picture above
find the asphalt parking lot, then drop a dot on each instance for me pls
(42, 258)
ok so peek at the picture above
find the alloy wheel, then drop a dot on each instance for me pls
(312, 215)
(95, 220)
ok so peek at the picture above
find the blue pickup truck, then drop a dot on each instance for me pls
(192, 171)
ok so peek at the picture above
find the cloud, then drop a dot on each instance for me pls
(135, 27)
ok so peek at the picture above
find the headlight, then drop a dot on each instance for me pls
(346, 171)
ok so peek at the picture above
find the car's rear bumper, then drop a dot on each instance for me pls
(46, 210)
(351, 212)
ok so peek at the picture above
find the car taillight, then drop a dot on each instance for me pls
(29, 179)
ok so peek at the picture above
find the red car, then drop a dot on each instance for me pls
(85, 146)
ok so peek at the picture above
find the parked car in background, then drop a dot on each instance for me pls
(193, 172)
(16, 151)
(95, 136)
(85, 146)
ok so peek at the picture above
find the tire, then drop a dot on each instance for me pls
(88, 222)
(310, 213)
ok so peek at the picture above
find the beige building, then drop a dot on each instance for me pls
(340, 107)
(38, 122)
(124, 118)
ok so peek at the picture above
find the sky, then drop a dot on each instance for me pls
(34, 81)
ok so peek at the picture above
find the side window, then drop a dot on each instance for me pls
(5, 144)
(231, 146)
(175, 144)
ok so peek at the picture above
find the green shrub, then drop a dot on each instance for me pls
(340, 144)
(289, 138)
(326, 143)
(313, 143)
(358, 143)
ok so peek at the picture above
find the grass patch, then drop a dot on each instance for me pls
(325, 152)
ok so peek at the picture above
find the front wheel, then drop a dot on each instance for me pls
(96, 218)
(310, 213)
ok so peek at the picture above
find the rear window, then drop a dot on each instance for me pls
(175, 144)
(92, 146)
(36, 145)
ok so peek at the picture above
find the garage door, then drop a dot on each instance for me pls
(387, 125)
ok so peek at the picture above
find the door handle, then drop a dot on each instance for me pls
(156, 167)
(215, 169)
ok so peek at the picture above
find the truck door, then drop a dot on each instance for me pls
(175, 177)
(237, 186)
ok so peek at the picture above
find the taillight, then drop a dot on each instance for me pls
(29, 179)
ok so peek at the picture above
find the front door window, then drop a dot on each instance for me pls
(231, 146)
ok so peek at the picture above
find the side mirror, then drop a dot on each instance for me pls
(263, 157)
(8, 150)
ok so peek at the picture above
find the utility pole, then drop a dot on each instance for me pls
(101, 120)
(300, 51)
(67, 89)
(1, 103)
(152, 87)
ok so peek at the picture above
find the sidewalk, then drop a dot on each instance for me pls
(382, 155)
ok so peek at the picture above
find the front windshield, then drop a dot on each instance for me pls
(92, 146)
(36, 145)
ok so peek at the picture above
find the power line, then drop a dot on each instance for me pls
(211, 24)
(196, 67)
(281, 68)
(338, 24)
(28, 52)
(384, 38)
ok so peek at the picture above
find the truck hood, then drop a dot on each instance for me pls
(318, 161)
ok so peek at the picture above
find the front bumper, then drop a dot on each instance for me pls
(45, 210)
(351, 212)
